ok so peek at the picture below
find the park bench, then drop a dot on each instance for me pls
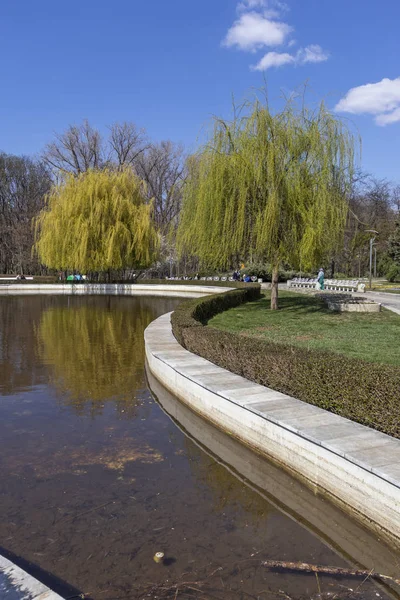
(335, 285)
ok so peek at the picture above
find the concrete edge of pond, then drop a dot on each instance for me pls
(119, 289)
(357, 467)
(17, 584)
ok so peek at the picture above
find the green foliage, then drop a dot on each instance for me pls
(264, 272)
(195, 313)
(268, 186)
(258, 269)
(88, 347)
(230, 284)
(356, 389)
(393, 273)
(96, 222)
(394, 245)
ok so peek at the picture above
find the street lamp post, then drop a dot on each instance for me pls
(371, 244)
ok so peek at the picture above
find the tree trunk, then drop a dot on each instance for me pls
(274, 287)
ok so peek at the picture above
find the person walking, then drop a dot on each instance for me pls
(321, 279)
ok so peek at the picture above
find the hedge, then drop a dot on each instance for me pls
(367, 393)
(231, 284)
(196, 313)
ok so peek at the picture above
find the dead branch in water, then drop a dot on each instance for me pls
(203, 588)
(308, 568)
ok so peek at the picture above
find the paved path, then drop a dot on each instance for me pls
(16, 584)
(355, 465)
(390, 301)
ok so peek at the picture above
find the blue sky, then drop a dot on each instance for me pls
(169, 65)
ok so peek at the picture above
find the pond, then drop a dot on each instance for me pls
(95, 477)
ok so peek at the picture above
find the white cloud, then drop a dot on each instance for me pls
(310, 54)
(381, 99)
(388, 118)
(273, 59)
(252, 31)
(260, 25)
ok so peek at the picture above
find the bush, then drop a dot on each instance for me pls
(259, 270)
(393, 273)
(231, 284)
(358, 390)
(196, 313)
(264, 271)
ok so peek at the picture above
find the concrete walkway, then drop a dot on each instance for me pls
(356, 466)
(389, 301)
(16, 584)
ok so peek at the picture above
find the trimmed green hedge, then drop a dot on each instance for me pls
(232, 284)
(196, 313)
(364, 392)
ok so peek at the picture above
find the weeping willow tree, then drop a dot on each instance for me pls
(270, 187)
(94, 351)
(97, 221)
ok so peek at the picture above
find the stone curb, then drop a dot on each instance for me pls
(358, 467)
(16, 584)
(136, 289)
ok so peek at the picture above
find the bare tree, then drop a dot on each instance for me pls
(23, 186)
(372, 206)
(162, 168)
(396, 198)
(76, 150)
(126, 143)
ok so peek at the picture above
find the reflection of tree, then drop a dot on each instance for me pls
(226, 489)
(18, 360)
(96, 350)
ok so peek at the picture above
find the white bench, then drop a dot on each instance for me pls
(336, 285)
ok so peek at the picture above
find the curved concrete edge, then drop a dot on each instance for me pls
(357, 467)
(120, 289)
(16, 584)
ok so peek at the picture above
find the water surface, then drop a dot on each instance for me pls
(95, 477)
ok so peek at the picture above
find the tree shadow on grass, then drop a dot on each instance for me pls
(300, 305)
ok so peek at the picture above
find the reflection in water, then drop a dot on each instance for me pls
(18, 366)
(95, 478)
(224, 488)
(350, 539)
(89, 348)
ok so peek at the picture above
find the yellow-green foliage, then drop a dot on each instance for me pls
(273, 187)
(95, 222)
(94, 353)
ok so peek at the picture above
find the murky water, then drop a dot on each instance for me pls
(95, 478)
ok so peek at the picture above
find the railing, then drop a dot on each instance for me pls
(337, 285)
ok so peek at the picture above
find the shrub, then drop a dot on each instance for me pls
(393, 273)
(196, 313)
(264, 271)
(358, 390)
(260, 270)
(231, 284)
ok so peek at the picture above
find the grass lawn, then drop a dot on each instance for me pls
(305, 321)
